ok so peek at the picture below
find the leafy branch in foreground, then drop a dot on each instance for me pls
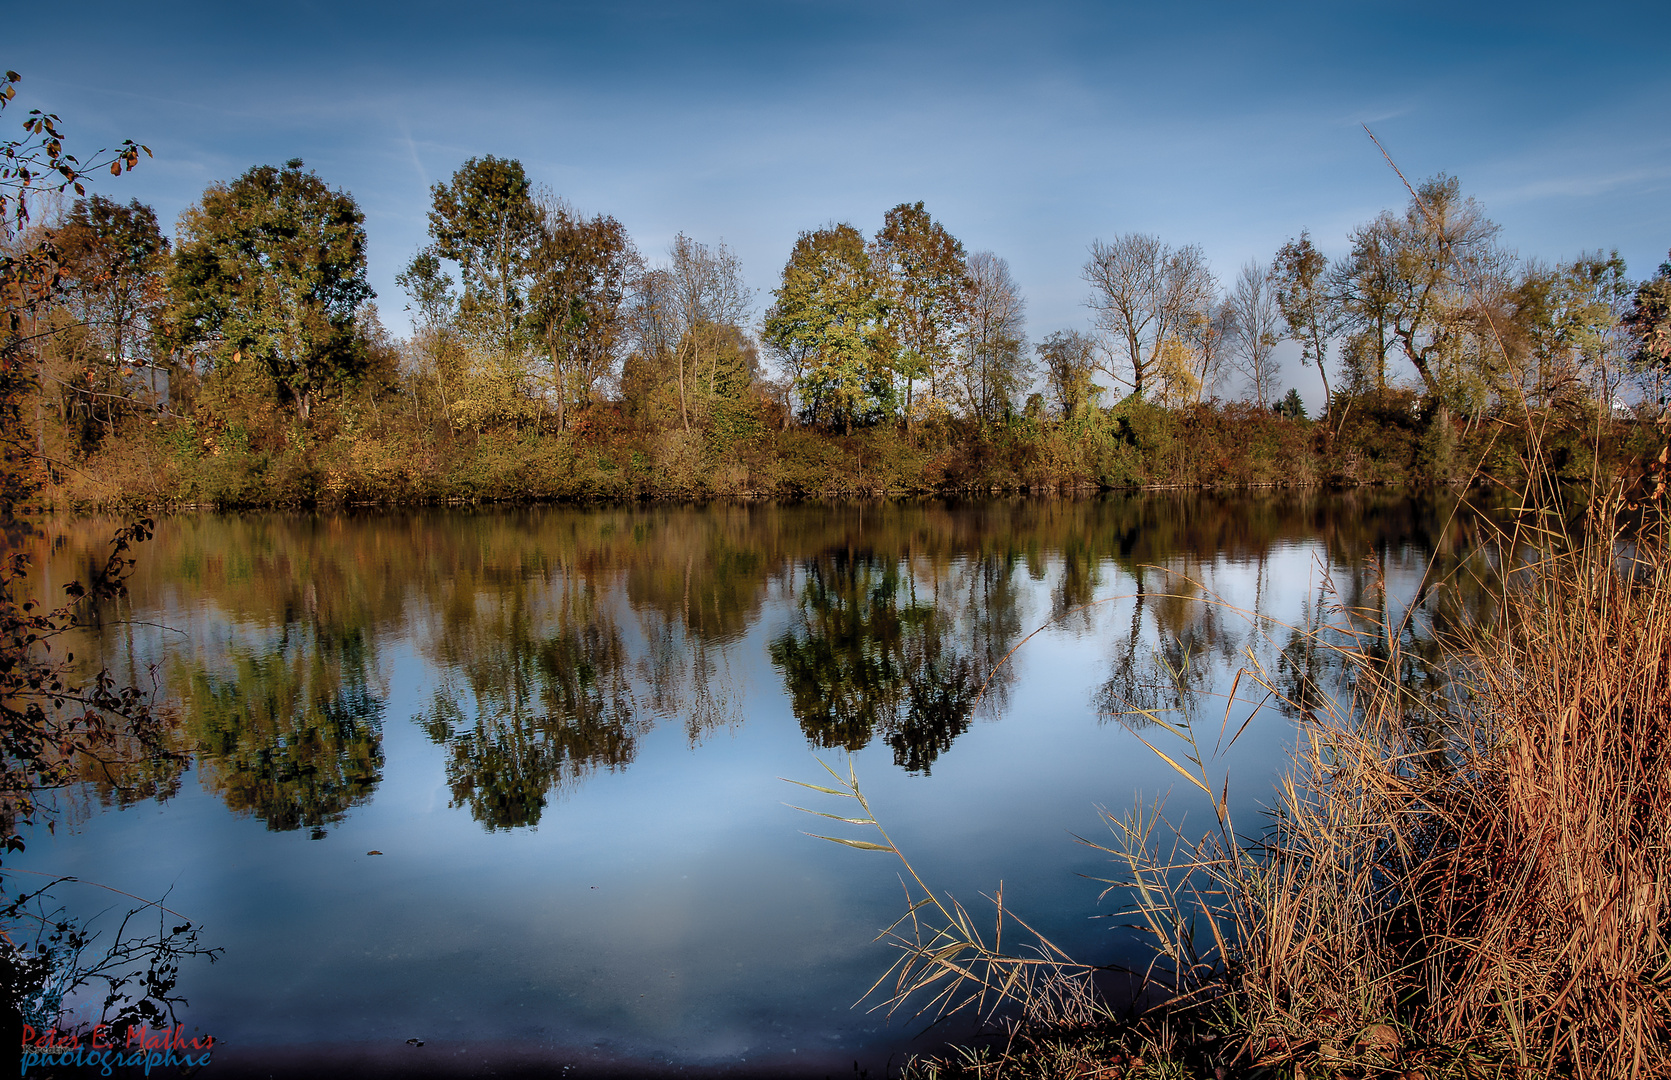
(137, 973)
(55, 729)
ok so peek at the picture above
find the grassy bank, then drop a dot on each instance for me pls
(358, 451)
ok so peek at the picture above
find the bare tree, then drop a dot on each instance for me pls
(995, 364)
(1257, 331)
(1211, 338)
(678, 310)
(1146, 294)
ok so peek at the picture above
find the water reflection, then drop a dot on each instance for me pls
(439, 685)
(557, 640)
(291, 733)
(538, 695)
(876, 648)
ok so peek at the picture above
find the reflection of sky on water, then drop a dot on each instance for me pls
(671, 905)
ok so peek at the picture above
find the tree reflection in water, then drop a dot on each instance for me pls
(876, 646)
(558, 638)
(550, 701)
(291, 734)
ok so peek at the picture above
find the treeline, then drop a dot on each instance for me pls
(245, 363)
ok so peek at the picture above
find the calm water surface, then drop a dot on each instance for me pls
(564, 731)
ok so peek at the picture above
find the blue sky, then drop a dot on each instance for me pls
(1028, 130)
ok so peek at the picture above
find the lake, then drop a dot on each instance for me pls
(562, 732)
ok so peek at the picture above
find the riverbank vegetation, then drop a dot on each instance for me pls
(243, 361)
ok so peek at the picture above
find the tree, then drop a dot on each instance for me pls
(706, 289)
(31, 274)
(1069, 359)
(271, 270)
(1420, 281)
(995, 365)
(1561, 329)
(1309, 311)
(114, 257)
(1172, 379)
(581, 269)
(827, 323)
(927, 286)
(1145, 293)
(115, 260)
(434, 351)
(1253, 302)
(1364, 285)
(487, 222)
(685, 320)
(1649, 325)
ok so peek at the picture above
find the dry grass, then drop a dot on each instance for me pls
(1472, 883)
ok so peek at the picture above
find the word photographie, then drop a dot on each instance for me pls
(141, 1047)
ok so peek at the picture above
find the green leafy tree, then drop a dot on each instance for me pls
(430, 290)
(581, 269)
(827, 321)
(486, 221)
(1313, 318)
(1561, 326)
(925, 278)
(271, 270)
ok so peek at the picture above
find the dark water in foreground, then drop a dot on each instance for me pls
(564, 729)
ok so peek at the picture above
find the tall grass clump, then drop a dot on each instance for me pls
(1469, 881)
